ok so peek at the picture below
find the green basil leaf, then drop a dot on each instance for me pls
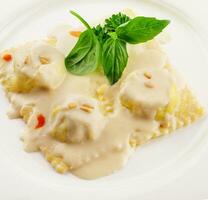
(114, 59)
(89, 63)
(141, 29)
(80, 50)
(85, 56)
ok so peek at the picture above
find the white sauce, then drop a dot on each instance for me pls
(109, 149)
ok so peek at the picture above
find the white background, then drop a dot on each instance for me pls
(191, 186)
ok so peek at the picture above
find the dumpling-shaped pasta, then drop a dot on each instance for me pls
(33, 65)
(145, 90)
(78, 121)
(50, 65)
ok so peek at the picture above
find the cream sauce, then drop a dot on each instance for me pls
(110, 149)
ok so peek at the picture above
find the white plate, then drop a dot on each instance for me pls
(154, 164)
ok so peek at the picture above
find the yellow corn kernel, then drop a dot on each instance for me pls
(171, 107)
(183, 106)
(49, 157)
(91, 136)
(100, 92)
(102, 89)
(133, 142)
(156, 134)
(18, 83)
(174, 100)
(26, 111)
(128, 104)
(60, 132)
(164, 131)
(61, 168)
(51, 40)
(200, 111)
(56, 162)
(55, 111)
(72, 105)
(109, 109)
(61, 136)
(189, 109)
(160, 114)
(179, 123)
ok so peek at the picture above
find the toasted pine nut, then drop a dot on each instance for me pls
(147, 75)
(86, 109)
(88, 106)
(149, 84)
(44, 60)
(27, 59)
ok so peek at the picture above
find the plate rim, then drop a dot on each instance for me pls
(189, 20)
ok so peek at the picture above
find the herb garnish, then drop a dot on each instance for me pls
(106, 45)
(84, 57)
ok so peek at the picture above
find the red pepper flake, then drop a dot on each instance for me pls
(7, 57)
(41, 121)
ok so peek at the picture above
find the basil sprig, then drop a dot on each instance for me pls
(84, 57)
(106, 45)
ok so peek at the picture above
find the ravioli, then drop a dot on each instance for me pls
(82, 124)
